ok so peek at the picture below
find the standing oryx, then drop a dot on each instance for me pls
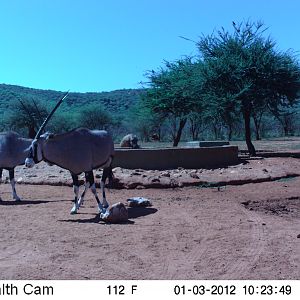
(80, 150)
(13, 151)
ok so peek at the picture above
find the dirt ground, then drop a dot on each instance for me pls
(231, 229)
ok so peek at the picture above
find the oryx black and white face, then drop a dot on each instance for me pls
(35, 151)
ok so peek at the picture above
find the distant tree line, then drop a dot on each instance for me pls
(24, 109)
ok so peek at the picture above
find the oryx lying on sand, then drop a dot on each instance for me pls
(13, 151)
(80, 150)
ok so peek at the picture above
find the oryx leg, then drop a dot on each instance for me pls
(89, 177)
(86, 187)
(76, 192)
(13, 184)
(106, 174)
(1, 179)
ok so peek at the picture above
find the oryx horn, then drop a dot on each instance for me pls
(50, 115)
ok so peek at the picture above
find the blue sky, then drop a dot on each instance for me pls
(90, 45)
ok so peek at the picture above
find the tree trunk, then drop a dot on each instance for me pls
(285, 130)
(250, 146)
(159, 133)
(288, 125)
(257, 135)
(194, 132)
(230, 130)
(31, 132)
(194, 129)
(215, 130)
(257, 127)
(182, 123)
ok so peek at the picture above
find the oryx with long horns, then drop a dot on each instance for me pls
(13, 151)
(80, 150)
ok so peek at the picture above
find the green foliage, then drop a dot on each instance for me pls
(95, 117)
(62, 122)
(244, 73)
(173, 93)
(115, 102)
(26, 113)
(250, 69)
(115, 105)
(172, 89)
(144, 122)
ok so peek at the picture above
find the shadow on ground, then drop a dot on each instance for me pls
(133, 213)
(137, 212)
(23, 202)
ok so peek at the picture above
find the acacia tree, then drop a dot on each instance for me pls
(221, 109)
(197, 124)
(287, 118)
(172, 93)
(144, 122)
(27, 114)
(246, 68)
(95, 117)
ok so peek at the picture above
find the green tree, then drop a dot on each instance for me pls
(287, 118)
(142, 121)
(26, 114)
(172, 93)
(197, 124)
(257, 116)
(95, 117)
(246, 67)
(62, 122)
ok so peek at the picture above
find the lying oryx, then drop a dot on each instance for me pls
(13, 151)
(80, 150)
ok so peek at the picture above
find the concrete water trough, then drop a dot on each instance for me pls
(172, 158)
(195, 144)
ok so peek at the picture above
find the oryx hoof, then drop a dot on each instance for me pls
(102, 210)
(74, 210)
(104, 215)
(17, 199)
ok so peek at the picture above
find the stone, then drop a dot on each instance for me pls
(138, 201)
(116, 213)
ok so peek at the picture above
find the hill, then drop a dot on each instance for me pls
(115, 102)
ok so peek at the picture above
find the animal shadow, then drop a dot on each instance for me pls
(22, 202)
(136, 212)
(133, 213)
(97, 220)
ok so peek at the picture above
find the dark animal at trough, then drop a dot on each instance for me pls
(130, 141)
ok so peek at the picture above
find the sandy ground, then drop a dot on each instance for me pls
(240, 231)
(246, 171)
